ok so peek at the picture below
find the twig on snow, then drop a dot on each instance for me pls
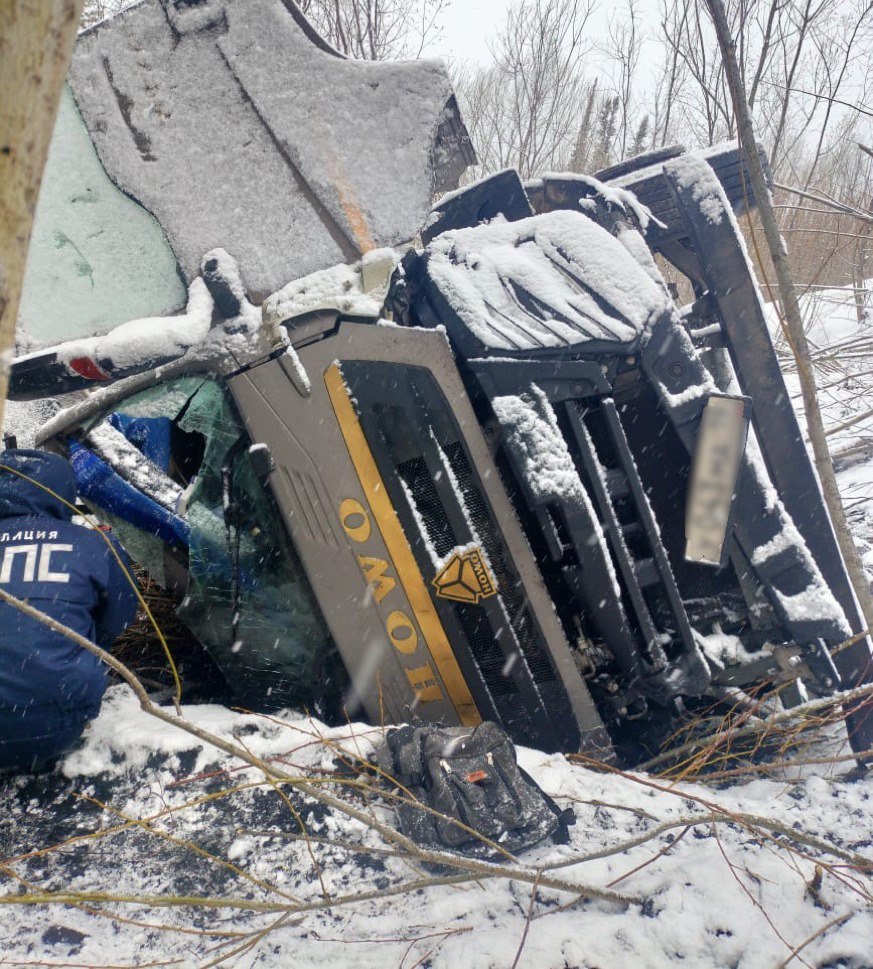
(527, 921)
(839, 920)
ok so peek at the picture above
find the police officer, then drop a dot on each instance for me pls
(50, 687)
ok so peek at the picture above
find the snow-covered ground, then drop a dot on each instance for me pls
(726, 892)
(842, 351)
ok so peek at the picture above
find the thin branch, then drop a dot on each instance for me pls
(839, 920)
(841, 207)
(846, 697)
(824, 97)
(527, 921)
(480, 869)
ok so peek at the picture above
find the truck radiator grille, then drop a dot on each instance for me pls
(439, 498)
(478, 633)
(511, 590)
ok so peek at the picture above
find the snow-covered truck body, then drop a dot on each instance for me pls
(484, 472)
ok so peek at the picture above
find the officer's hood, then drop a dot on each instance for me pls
(21, 497)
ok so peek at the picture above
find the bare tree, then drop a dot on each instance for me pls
(838, 52)
(94, 11)
(376, 29)
(525, 109)
(693, 73)
(804, 66)
(796, 58)
(672, 75)
(623, 49)
(790, 309)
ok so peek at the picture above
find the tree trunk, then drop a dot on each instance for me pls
(36, 44)
(797, 338)
(859, 278)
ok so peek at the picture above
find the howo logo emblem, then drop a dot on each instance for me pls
(465, 577)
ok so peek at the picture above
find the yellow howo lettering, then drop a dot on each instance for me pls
(399, 626)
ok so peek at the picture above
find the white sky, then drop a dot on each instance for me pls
(467, 26)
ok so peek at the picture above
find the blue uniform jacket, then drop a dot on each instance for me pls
(64, 570)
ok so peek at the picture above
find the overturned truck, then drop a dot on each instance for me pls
(472, 462)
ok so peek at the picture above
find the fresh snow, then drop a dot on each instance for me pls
(158, 338)
(788, 537)
(301, 377)
(475, 544)
(723, 648)
(188, 343)
(653, 171)
(23, 419)
(613, 195)
(115, 449)
(532, 428)
(233, 127)
(340, 288)
(693, 172)
(837, 338)
(421, 528)
(816, 601)
(691, 393)
(548, 256)
(707, 895)
(454, 193)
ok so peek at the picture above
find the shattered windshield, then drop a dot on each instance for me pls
(192, 447)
